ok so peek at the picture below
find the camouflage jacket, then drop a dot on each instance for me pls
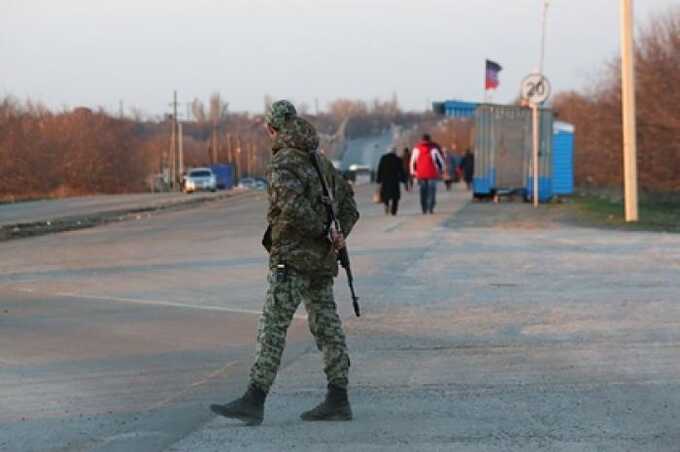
(297, 216)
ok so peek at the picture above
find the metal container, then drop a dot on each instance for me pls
(503, 150)
(224, 175)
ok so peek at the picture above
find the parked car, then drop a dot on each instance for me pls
(359, 174)
(200, 179)
(260, 183)
(253, 183)
(247, 182)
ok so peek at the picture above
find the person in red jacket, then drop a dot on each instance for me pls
(427, 165)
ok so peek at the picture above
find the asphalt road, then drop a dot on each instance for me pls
(130, 327)
(483, 334)
(118, 337)
(476, 335)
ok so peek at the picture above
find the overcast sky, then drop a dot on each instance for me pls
(96, 52)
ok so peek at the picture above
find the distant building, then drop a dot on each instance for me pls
(455, 108)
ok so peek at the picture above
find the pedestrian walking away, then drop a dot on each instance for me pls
(390, 175)
(302, 250)
(451, 173)
(427, 166)
(467, 167)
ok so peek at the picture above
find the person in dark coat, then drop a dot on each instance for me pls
(390, 174)
(406, 159)
(467, 167)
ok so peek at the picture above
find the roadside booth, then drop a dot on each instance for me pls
(503, 148)
(563, 159)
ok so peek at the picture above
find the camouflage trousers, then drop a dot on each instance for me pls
(284, 295)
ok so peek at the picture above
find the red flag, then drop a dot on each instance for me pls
(492, 70)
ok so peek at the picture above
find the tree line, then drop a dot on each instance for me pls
(82, 151)
(596, 114)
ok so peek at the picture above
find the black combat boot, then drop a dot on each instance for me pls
(249, 408)
(336, 407)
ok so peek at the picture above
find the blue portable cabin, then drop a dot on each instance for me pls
(557, 173)
(563, 159)
(224, 175)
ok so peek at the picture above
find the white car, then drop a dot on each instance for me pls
(200, 179)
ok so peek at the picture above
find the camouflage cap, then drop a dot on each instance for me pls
(280, 113)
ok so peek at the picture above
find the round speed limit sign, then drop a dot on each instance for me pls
(535, 88)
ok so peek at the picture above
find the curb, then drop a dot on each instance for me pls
(76, 222)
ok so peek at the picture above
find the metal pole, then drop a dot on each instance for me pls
(230, 158)
(628, 107)
(180, 139)
(173, 155)
(544, 24)
(239, 171)
(534, 159)
(175, 163)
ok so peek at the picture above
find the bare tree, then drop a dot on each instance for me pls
(597, 114)
(218, 109)
(198, 111)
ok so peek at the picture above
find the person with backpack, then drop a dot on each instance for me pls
(427, 166)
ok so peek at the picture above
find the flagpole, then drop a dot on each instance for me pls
(486, 91)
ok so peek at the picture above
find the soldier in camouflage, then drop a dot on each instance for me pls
(303, 262)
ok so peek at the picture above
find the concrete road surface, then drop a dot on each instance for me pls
(473, 338)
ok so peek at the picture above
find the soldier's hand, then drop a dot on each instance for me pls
(338, 240)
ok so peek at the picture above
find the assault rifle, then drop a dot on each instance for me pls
(343, 255)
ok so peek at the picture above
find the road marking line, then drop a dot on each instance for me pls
(193, 385)
(23, 289)
(168, 303)
(18, 281)
(132, 435)
(394, 227)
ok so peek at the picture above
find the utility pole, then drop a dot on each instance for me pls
(230, 157)
(180, 135)
(174, 154)
(535, 112)
(252, 160)
(535, 146)
(214, 145)
(628, 107)
(544, 25)
(172, 158)
(239, 173)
